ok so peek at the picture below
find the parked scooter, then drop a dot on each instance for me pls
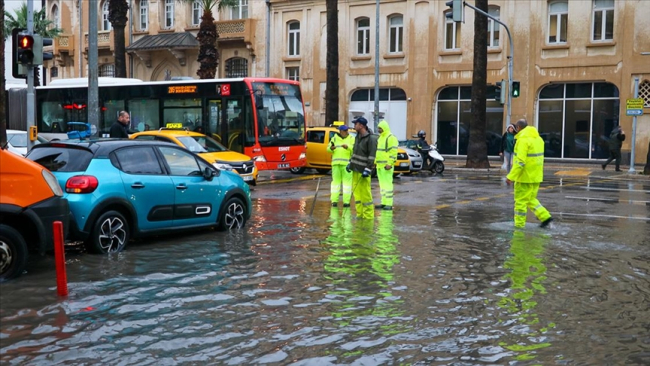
(438, 165)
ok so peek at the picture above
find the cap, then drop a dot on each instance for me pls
(361, 120)
(343, 128)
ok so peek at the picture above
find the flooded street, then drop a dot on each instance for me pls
(443, 279)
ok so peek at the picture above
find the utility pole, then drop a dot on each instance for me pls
(31, 98)
(376, 119)
(93, 86)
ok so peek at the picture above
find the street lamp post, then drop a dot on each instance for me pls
(376, 119)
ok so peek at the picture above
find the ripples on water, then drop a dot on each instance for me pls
(413, 287)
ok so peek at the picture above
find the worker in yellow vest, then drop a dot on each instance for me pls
(385, 163)
(340, 147)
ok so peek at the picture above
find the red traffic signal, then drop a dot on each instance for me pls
(25, 41)
(25, 49)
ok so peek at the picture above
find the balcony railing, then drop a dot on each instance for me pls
(236, 30)
(65, 43)
(104, 40)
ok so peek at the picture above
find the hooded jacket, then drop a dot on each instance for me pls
(616, 139)
(363, 152)
(528, 163)
(386, 146)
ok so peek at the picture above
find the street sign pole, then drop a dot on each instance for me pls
(31, 98)
(636, 95)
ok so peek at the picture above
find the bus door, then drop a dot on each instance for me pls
(227, 124)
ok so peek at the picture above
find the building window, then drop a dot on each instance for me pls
(169, 14)
(107, 70)
(558, 15)
(395, 34)
(55, 17)
(197, 13)
(54, 72)
(236, 67)
(603, 20)
(144, 14)
(293, 73)
(644, 93)
(239, 11)
(106, 24)
(493, 27)
(452, 34)
(575, 120)
(363, 36)
(453, 121)
(294, 39)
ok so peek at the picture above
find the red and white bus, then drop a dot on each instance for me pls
(261, 117)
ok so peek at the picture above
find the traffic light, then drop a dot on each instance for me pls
(515, 89)
(47, 55)
(500, 91)
(25, 49)
(18, 71)
(456, 10)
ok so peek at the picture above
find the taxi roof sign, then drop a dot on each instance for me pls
(338, 123)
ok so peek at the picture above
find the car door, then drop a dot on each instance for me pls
(317, 154)
(196, 199)
(147, 186)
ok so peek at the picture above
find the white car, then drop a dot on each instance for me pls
(414, 158)
(17, 141)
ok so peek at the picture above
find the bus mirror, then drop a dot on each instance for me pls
(259, 101)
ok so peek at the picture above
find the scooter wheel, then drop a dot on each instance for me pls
(438, 167)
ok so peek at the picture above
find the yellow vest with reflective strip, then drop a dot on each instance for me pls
(341, 156)
(386, 150)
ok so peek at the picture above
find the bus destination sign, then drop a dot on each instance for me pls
(275, 89)
(181, 89)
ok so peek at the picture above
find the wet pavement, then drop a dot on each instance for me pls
(443, 279)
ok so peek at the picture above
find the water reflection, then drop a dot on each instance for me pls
(527, 274)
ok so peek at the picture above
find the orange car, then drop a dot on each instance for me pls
(30, 201)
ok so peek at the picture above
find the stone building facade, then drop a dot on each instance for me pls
(576, 61)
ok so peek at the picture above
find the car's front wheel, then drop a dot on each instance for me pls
(299, 170)
(233, 215)
(13, 253)
(110, 233)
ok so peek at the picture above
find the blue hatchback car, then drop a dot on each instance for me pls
(122, 189)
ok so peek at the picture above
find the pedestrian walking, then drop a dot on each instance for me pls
(616, 139)
(120, 129)
(361, 164)
(340, 147)
(385, 163)
(527, 173)
(508, 147)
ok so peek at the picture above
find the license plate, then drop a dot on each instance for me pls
(417, 165)
(283, 165)
(403, 164)
(247, 178)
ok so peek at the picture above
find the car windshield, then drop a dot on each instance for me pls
(201, 144)
(17, 139)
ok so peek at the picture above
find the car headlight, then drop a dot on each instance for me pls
(302, 156)
(222, 166)
(260, 158)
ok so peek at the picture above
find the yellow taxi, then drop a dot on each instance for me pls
(317, 139)
(206, 147)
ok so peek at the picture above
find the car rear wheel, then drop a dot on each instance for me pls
(298, 170)
(110, 233)
(323, 171)
(233, 215)
(13, 253)
(438, 167)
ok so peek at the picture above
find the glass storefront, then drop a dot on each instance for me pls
(454, 116)
(575, 120)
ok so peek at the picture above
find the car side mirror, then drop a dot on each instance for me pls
(209, 174)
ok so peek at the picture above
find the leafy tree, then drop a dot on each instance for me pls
(117, 11)
(42, 26)
(332, 66)
(477, 148)
(207, 37)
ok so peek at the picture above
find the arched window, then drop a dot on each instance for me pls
(56, 21)
(106, 24)
(454, 116)
(294, 38)
(558, 17)
(493, 27)
(236, 67)
(197, 13)
(363, 36)
(575, 120)
(144, 14)
(395, 34)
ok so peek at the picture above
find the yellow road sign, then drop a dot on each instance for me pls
(636, 103)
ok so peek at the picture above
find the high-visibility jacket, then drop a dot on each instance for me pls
(386, 146)
(340, 155)
(528, 163)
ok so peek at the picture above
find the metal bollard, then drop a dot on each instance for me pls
(59, 258)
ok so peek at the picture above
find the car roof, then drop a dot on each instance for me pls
(171, 132)
(101, 147)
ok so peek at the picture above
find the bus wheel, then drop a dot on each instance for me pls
(298, 170)
(13, 253)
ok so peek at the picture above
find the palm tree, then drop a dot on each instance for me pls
(477, 149)
(332, 91)
(45, 27)
(207, 37)
(117, 10)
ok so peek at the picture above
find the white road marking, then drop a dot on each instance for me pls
(615, 189)
(607, 199)
(644, 218)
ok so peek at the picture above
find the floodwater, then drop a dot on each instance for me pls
(444, 279)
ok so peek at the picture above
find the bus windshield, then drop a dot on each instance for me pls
(280, 114)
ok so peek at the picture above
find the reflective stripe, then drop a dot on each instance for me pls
(521, 164)
(539, 154)
(538, 206)
(520, 213)
(340, 159)
(367, 203)
(381, 161)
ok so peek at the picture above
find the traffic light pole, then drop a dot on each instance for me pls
(31, 99)
(510, 58)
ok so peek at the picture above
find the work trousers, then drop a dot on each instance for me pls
(363, 196)
(341, 177)
(614, 154)
(385, 178)
(526, 197)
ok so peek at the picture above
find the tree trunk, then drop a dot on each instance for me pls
(646, 170)
(3, 97)
(477, 147)
(117, 15)
(332, 88)
(208, 54)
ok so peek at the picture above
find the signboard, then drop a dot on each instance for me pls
(181, 89)
(634, 107)
(174, 125)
